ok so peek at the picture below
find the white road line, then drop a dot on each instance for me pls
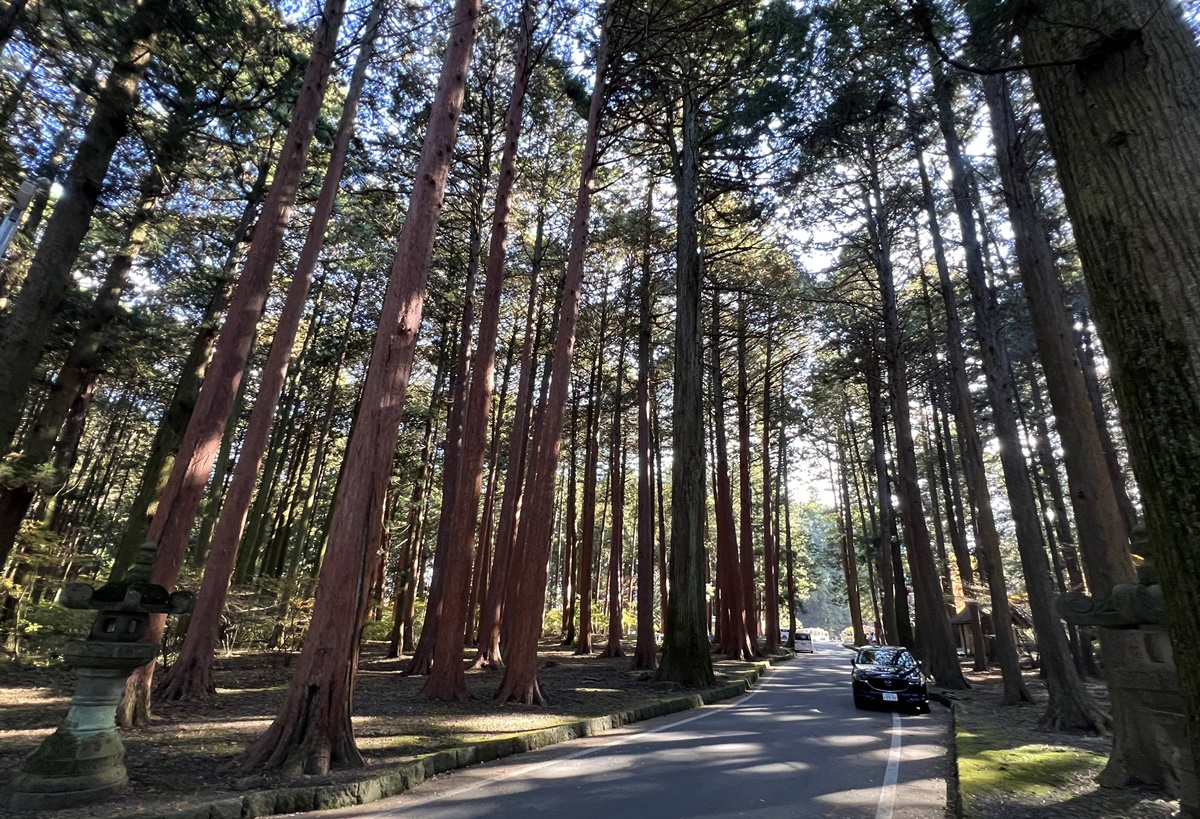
(887, 794)
(523, 770)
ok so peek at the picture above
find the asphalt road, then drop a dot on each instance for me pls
(794, 747)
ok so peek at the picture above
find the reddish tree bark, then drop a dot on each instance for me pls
(735, 638)
(178, 412)
(313, 731)
(510, 503)
(191, 676)
(570, 536)
(189, 475)
(447, 680)
(770, 554)
(591, 460)
(745, 502)
(645, 653)
(616, 485)
(487, 519)
(520, 681)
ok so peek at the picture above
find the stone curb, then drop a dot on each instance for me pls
(398, 778)
(953, 787)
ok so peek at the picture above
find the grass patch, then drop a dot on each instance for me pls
(990, 763)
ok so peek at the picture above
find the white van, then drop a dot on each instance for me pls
(804, 643)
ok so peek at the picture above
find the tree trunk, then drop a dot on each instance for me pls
(660, 510)
(935, 639)
(952, 496)
(1101, 525)
(34, 311)
(1087, 359)
(487, 518)
(78, 373)
(422, 659)
(447, 680)
(591, 461)
(745, 505)
(510, 503)
(178, 412)
(883, 494)
(571, 561)
(616, 487)
(849, 553)
(400, 640)
(987, 538)
(191, 675)
(520, 682)
(770, 553)
(686, 657)
(313, 729)
(645, 654)
(189, 474)
(1070, 705)
(786, 502)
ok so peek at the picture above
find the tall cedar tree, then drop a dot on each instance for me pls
(1119, 86)
(645, 653)
(312, 731)
(191, 675)
(189, 475)
(510, 503)
(736, 639)
(520, 682)
(936, 640)
(446, 680)
(1070, 705)
(686, 658)
(983, 521)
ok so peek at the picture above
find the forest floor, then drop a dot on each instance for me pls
(1009, 768)
(184, 757)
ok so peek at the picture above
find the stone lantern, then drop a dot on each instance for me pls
(1134, 617)
(83, 760)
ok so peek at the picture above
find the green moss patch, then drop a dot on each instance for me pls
(991, 762)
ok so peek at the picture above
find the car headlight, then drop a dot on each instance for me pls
(859, 675)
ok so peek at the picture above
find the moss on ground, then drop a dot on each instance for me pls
(992, 763)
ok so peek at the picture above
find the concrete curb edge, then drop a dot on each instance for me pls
(398, 778)
(953, 787)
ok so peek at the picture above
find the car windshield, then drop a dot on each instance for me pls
(886, 656)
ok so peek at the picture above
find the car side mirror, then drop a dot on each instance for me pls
(853, 661)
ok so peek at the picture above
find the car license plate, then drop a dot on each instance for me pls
(890, 698)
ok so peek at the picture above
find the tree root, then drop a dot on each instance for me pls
(612, 650)
(487, 660)
(1076, 716)
(523, 694)
(134, 708)
(186, 683)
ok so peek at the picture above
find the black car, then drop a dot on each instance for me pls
(888, 674)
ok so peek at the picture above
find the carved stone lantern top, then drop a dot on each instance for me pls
(124, 607)
(1129, 605)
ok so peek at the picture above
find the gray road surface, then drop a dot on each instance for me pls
(793, 747)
